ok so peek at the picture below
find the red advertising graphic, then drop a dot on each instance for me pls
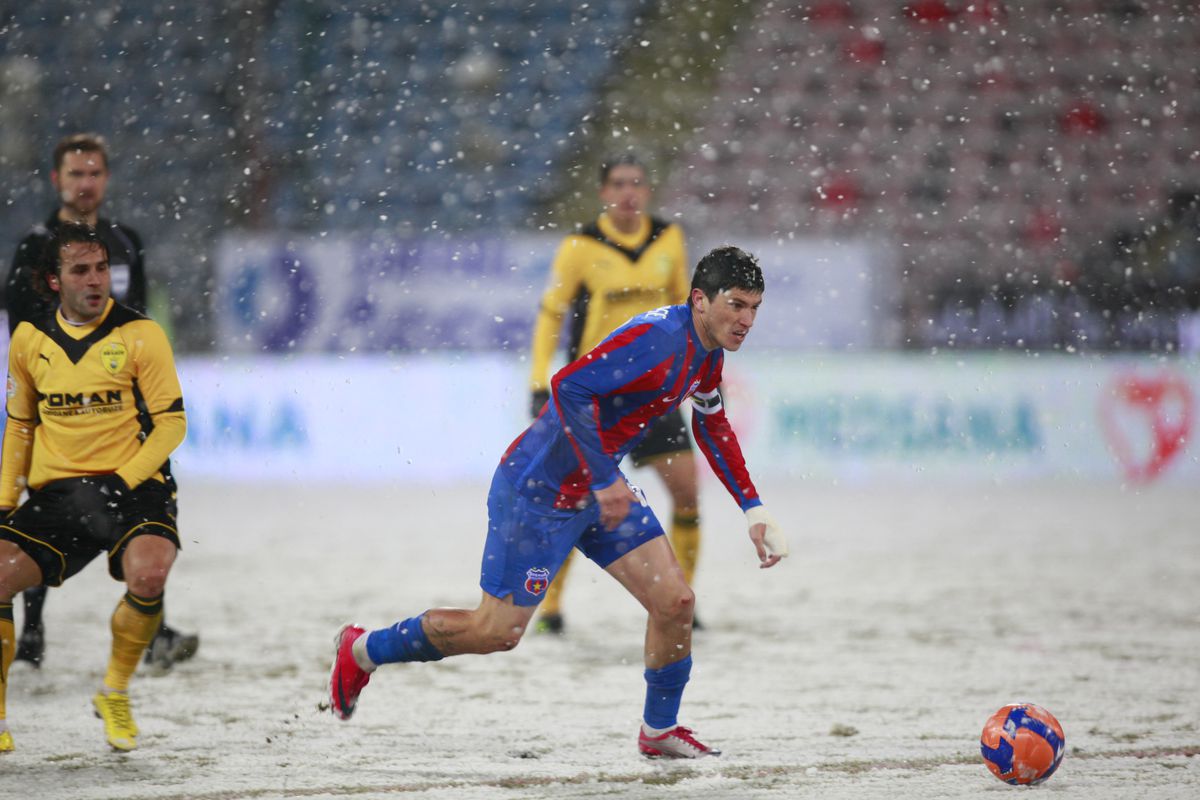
(1147, 420)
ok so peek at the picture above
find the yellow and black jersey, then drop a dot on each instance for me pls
(602, 278)
(85, 400)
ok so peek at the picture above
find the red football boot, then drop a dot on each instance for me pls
(346, 679)
(679, 742)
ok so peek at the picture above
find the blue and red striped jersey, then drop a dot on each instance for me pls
(602, 402)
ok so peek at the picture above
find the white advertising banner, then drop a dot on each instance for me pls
(848, 418)
(294, 294)
(968, 417)
(361, 418)
(281, 293)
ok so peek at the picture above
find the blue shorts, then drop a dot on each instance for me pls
(527, 542)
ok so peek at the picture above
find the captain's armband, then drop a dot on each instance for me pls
(707, 402)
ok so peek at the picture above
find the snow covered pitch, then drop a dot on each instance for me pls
(862, 667)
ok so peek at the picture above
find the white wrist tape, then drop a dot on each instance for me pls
(775, 541)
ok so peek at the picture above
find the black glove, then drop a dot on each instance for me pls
(536, 401)
(112, 486)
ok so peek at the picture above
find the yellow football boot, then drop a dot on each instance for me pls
(119, 727)
(6, 742)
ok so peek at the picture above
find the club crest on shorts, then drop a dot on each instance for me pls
(536, 580)
(112, 355)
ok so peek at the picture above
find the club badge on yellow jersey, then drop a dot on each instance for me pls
(113, 356)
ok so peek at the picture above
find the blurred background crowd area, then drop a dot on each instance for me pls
(1034, 166)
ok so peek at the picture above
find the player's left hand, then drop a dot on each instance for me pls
(769, 541)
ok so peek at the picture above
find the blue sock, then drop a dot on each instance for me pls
(404, 641)
(664, 691)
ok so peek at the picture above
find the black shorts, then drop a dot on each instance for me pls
(668, 434)
(68, 522)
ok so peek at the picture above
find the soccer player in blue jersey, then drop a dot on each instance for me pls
(559, 485)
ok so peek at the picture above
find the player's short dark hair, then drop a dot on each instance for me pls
(728, 267)
(73, 233)
(626, 159)
(80, 143)
(51, 264)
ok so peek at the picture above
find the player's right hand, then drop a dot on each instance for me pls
(112, 487)
(769, 541)
(538, 399)
(112, 484)
(614, 501)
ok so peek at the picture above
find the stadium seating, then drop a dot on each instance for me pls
(1002, 149)
(323, 115)
(1005, 149)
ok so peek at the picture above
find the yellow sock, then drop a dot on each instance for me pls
(134, 624)
(552, 604)
(8, 649)
(685, 541)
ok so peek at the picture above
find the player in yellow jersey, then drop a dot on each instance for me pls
(95, 466)
(80, 175)
(624, 263)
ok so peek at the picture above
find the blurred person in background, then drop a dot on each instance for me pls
(80, 177)
(624, 263)
(559, 486)
(95, 410)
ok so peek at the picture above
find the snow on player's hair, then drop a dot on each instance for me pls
(728, 267)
